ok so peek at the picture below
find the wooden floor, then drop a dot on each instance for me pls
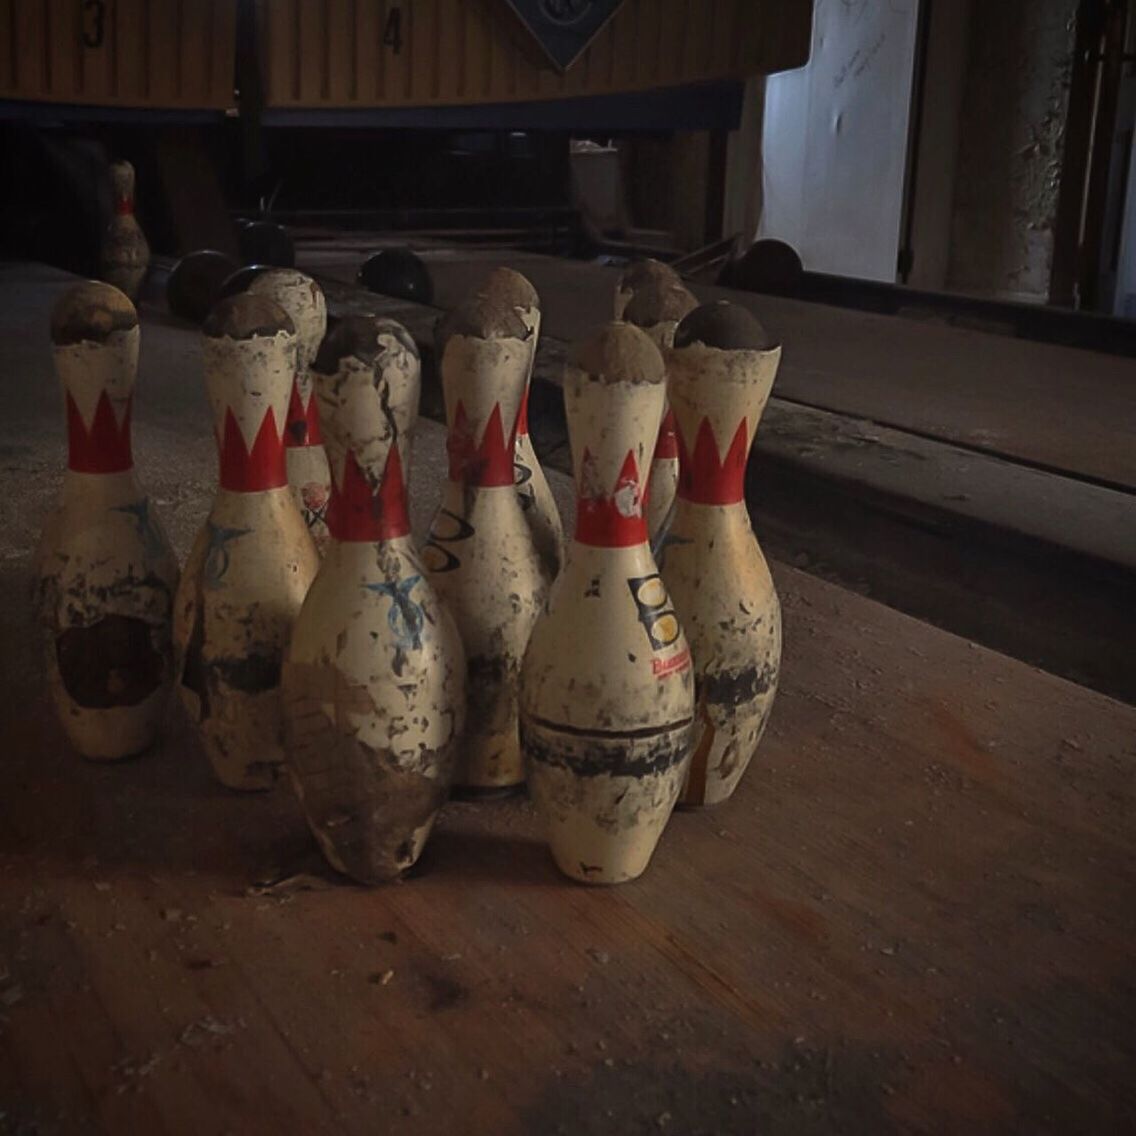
(916, 915)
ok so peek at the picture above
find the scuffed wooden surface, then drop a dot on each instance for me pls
(915, 915)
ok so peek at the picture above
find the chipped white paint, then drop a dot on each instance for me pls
(537, 501)
(713, 566)
(480, 554)
(107, 574)
(303, 299)
(125, 254)
(607, 689)
(374, 678)
(651, 295)
(251, 565)
(663, 479)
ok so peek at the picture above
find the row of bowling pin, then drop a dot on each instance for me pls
(232, 633)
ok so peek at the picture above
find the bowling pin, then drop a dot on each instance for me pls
(302, 298)
(480, 554)
(374, 678)
(720, 373)
(254, 560)
(638, 274)
(657, 306)
(108, 574)
(125, 253)
(607, 693)
(540, 506)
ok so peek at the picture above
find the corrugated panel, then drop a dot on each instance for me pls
(152, 53)
(366, 53)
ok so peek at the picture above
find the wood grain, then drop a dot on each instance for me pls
(155, 53)
(461, 51)
(916, 915)
(922, 867)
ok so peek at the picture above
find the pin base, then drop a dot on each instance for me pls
(486, 792)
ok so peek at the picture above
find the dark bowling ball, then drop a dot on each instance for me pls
(768, 266)
(265, 242)
(240, 280)
(195, 282)
(397, 272)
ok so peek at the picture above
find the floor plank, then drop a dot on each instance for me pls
(916, 914)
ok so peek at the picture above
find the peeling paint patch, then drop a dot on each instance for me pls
(111, 663)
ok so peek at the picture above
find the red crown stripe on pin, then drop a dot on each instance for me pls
(303, 426)
(523, 416)
(704, 477)
(357, 513)
(249, 471)
(124, 206)
(105, 447)
(599, 521)
(666, 447)
(489, 465)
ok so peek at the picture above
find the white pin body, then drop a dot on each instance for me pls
(483, 562)
(663, 480)
(661, 487)
(106, 574)
(716, 573)
(252, 563)
(125, 253)
(105, 556)
(374, 679)
(303, 299)
(606, 737)
(242, 588)
(539, 506)
(309, 479)
(607, 691)
(374, 707)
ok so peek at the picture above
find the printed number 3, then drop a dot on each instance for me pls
(95, 27)
(392, 30)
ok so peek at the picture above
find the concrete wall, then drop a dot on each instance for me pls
(1011, 137)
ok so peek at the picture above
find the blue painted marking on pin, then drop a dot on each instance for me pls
(217, 555)
(405, 617)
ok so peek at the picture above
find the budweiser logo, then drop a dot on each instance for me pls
(676, 663)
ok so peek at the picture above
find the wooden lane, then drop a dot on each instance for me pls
(916, 914)
(1061, 408)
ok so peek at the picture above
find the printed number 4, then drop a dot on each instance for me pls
(94, 13)
(392, 31)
